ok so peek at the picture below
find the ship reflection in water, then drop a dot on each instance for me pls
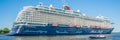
(61, 37)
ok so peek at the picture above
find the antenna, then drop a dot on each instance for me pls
(40, 3)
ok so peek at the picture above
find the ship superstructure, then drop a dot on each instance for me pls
(50, 20)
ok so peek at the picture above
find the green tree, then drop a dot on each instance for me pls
(5, 30)
(0, 31)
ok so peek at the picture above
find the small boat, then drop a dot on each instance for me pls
(98, 37)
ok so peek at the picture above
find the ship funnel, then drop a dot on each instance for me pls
(66, 7)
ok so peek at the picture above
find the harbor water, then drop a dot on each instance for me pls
(113, 36)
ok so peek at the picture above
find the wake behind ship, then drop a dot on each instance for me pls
(42, 20)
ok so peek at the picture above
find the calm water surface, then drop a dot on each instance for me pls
(113, 36)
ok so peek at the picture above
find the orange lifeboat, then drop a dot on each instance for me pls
(71, 25)
(54, 24)
(78, 25)
(92, 26)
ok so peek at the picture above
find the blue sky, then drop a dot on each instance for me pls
(108, 8)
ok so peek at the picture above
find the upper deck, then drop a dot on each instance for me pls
(70, 13)
(44, 15)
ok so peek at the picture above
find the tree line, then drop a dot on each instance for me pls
(4, 30)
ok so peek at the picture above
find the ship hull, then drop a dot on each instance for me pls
(54, 30)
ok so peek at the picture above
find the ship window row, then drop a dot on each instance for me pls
(49, 19)
(62, 11)
(94, 19)
(84, 22)
(46, 18)
(54, 11)
(43, 16)
(85, 18)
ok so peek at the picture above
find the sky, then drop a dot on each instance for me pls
(108, 8)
